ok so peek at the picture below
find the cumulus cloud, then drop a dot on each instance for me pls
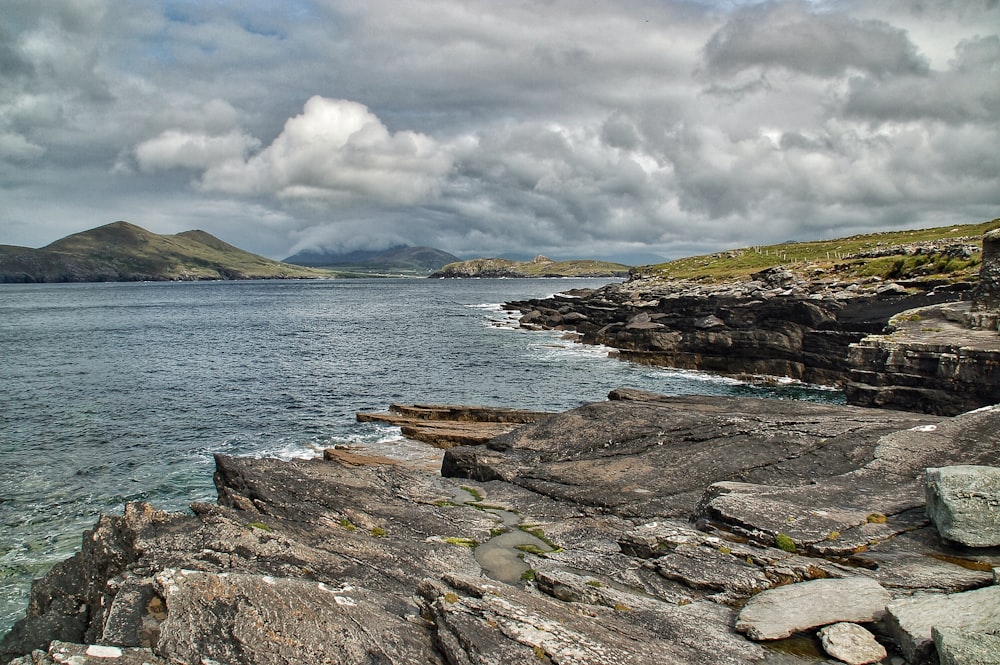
(180, 149)
(337, 151)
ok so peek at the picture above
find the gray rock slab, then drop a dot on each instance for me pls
(911, 620)
(851, 643)
(836, 514)
(650, 456)
(920, 560)
(963, 501)
(960, 647)
(779, 612)
(703, 567)
(480, 622)
(238, 618)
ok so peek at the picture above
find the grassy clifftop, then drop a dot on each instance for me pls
(949, 251)
(125, 252)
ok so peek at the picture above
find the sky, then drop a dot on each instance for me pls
(572, 128)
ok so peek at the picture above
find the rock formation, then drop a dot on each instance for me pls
(635, 548)
(964, 504)
(986, 296)
(938, 359)
(913, 346)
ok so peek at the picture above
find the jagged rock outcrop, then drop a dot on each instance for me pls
(356, 561)
(445, 426)
(927, 360)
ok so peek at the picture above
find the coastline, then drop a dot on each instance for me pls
(657, 521)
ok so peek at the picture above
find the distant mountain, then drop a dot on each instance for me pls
(123, 252)
(540, 266)
(395, 260)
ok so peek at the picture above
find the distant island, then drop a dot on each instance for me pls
(124, 252)
(540, 266)
(401, 260)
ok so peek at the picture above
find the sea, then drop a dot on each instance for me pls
(118, 392)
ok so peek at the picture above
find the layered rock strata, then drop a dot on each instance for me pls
(912, 346)
(445, 426)
(776, 324)
(638, 559)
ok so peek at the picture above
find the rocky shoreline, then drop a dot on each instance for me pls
(649, 522)
(925, 345)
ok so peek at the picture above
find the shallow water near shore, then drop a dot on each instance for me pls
(124, 392)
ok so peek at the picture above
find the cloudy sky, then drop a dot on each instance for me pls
(572, 128)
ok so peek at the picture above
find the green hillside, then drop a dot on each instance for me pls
(537, 267)
(125, 252)
(890, 255)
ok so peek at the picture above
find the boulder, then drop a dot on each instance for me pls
(910, 621)
(964, 503)
(779, 612)
(959, 647)
(851, 644)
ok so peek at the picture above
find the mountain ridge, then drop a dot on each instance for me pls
(124, 252)
(401, 259)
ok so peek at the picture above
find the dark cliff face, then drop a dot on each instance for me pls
(760, 329)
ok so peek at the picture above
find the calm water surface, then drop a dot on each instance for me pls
(123, 392)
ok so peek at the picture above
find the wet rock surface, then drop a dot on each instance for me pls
(649, 522)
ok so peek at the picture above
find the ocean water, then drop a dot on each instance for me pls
(124, 391)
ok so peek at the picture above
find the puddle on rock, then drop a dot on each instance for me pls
(500, 556)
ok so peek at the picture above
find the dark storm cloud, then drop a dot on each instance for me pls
(792, 36)
(969, 91)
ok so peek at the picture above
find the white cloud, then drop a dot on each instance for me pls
(14, 147)
(340, 152)
(179, 149)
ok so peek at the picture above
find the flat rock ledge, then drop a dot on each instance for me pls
(782, 611)
(643, 529)
(446, 426)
